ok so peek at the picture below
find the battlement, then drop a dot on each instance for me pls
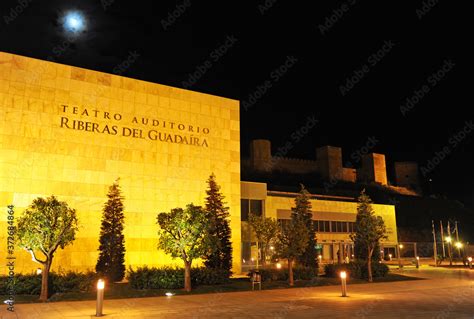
(328, 163)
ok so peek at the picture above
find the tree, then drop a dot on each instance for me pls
(368, 230)
(292, 242)
(266, 230)
(46, 225)
(302, 211)
(219, 255)
(184, 234)
(111, 261)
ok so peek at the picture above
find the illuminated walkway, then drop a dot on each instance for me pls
(445, 294)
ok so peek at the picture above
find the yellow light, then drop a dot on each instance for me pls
(100, 284)
(401, 246)
(271, 247)
(469, 259)
(458, 245)
(278, 266)
(343, 275)
(320, 257)
(39, 271)
(417, 258)
(448, 239)
(390, 255)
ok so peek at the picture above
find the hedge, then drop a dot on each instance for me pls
(272, 274)
(356, 269)
(30, 284)
(173, 278)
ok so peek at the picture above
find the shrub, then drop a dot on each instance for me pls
(73, 281)
(272, 274)
(30, 284)
(356, 269)
(173, 278)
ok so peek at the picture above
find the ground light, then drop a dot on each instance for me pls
(169, 294)
(343, 276)
(100, 298)
(39, 271)
(278, 266)
(417, 262)
(469, 259)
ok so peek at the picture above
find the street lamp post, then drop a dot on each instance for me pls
(469, 260)
(448, 240)
(399, 247)
(100, 298)
(343, 283)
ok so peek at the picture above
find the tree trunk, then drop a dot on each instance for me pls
(369, 265)
(264, 255)
(290, 271)
(187, 276)
(44, 280)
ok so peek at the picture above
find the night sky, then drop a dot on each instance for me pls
(332, 73)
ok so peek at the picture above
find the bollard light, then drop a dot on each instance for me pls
(278, 265)
(390, 257)
(417, 262)
(39, 271)
(469, 259)
(401, 246)
(100, 298)
(343, 276)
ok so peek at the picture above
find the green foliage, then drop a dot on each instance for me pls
(369, 229)
(61, 282)
(266, 230)
(356, 269)
(219, 255)
(292, 239)
(302, 212)
(272, 274)
(184, 232)
(173, 278)
(45, 226)
(111, 261)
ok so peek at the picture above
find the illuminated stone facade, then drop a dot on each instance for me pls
(71, 132)
(333, 217)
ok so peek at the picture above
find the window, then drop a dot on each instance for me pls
(244, 209)
(332, 226)
(256, 207)
(344, 227)
(248, 206)
(326, 226)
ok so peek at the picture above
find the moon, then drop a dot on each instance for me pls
(74, 22)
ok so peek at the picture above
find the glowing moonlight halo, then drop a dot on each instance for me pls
(74, 22)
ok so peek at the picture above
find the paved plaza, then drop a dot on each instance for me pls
(443, 294)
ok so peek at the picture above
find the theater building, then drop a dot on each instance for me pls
(72, 132)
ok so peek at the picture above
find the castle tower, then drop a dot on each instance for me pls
(373, 169)
(329, 160)
(407, 175)
(261, 155)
